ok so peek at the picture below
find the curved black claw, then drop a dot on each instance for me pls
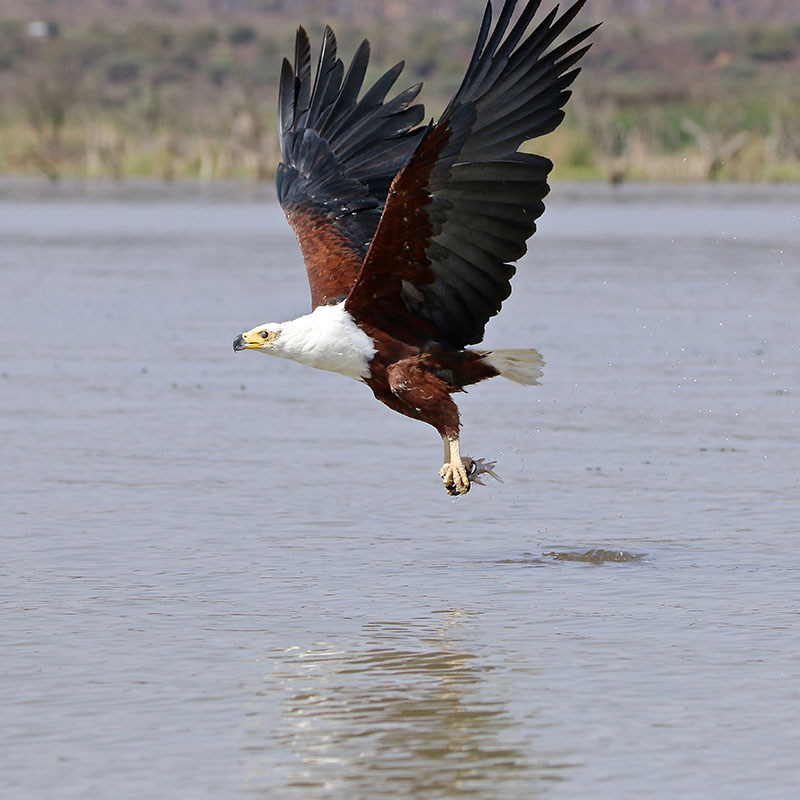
(452, 490)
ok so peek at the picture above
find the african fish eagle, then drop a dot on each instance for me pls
(409, 231)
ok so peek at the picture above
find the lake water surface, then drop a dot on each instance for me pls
(230, 576)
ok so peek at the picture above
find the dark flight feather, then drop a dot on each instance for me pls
(513, 91)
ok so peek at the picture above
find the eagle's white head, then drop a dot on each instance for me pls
(263, 338)
(328, 339)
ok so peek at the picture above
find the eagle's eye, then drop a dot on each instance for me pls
(265, 334)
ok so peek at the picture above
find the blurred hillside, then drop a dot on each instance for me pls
(672, 89)
(68, 10)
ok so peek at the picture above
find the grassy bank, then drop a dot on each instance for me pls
(175, 98)
(103, 149)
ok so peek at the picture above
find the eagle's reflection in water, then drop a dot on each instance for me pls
(408, 712)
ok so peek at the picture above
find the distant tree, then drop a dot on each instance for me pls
(769, 44)
(48, 100)
(123, 69)
(13, 45)
(242, 34)
(194, 45)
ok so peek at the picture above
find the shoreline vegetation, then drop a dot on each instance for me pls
(173, 95)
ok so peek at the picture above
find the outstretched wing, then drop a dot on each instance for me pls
(464, 206)
(340, 155)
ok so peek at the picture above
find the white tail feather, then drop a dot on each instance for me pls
(520, 366)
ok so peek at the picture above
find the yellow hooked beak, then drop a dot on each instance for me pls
(254, 339)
